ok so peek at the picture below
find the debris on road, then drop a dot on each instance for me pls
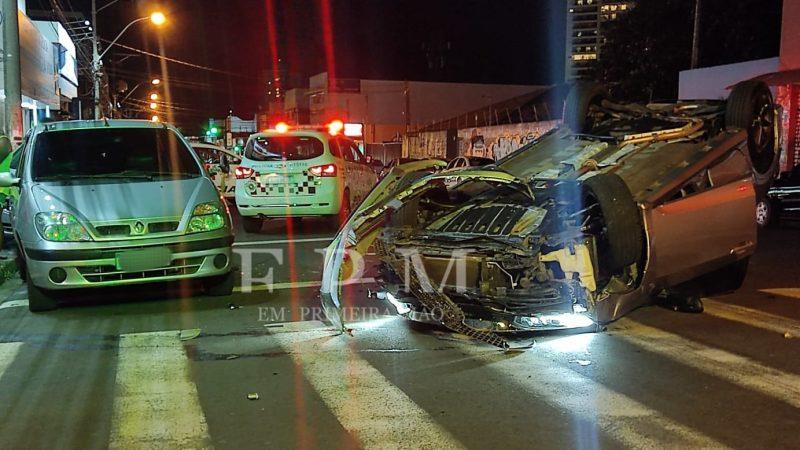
(582, 362)
(187, 335)
(233, 306)
(252, 396)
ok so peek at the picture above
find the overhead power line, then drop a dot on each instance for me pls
(177, 61)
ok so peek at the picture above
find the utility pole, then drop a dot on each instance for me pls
(11, 71)
(95, 62)
(696, 35)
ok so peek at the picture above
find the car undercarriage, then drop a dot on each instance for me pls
(562, 233)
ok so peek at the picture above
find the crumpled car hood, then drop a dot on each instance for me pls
(366, 222)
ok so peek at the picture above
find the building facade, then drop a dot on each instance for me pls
(586, 20)
(387, 108)
(49, 73)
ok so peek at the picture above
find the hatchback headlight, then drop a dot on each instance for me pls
(60, 227)
(206, 217)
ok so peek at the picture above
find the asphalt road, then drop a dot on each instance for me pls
(163, 367)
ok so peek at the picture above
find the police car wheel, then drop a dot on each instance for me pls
(344, 209)
(252, 224)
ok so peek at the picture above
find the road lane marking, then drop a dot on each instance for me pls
(736, 369)
(281, 241)
(14, 304)
(156, 403)
(621, 417)
(299, 285)
(752, 317)
(783, 292)
(375, 411)
(8, 351)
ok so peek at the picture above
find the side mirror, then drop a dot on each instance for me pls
(224, 165)
(7, 180)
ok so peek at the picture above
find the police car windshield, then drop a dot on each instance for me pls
(118, 153)
(283, 148)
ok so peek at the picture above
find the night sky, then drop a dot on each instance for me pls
(490, 41)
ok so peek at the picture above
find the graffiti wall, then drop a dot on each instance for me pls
(432, 144)
(491, 142)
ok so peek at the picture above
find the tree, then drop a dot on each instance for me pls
(646, 48)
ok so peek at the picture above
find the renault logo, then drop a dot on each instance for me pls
(138, 228)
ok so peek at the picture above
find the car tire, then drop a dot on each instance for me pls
(750, 107)
(577, 106)
(617, 224)
(40, 300)
(220, 285)
(252, 224)
(20, 260)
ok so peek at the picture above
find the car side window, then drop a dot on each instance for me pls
(697, 184)
(347, 152)
(336, 150)
(357, 156)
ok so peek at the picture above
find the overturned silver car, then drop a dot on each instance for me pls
(622, 203)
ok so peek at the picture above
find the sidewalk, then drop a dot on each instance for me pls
(8, 264)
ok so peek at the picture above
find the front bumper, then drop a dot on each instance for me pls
(97, 267)
(301, 208)
(324, 201)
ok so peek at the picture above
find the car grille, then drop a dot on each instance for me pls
(181, 266)
(123, 230)
(161, 227)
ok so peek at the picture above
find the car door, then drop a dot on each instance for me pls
(706, 224)
(366, 179)
(228, 180)
(352, 172)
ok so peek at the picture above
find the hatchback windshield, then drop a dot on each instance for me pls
(288, 148)
(112, 153)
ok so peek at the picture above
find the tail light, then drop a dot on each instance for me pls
(328, 170)
(243, 172)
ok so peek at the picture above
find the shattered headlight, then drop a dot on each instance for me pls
(60, 227)
(206, 217)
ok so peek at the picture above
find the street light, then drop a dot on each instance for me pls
(157, 18)
(154, 119)
(156, 81)
(153, 105)
(154, 96)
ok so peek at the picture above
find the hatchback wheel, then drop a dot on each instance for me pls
(219, 286)
(39, 299)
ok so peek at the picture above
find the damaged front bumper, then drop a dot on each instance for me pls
(477, 314)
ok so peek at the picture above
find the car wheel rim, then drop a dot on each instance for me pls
(762, 213)
(762, 137)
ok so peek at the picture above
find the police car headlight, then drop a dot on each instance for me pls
(206, 217)
(60, 227)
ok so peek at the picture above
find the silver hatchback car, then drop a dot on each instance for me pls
(115, 202)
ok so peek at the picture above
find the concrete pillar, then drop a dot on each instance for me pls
(11, 71)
